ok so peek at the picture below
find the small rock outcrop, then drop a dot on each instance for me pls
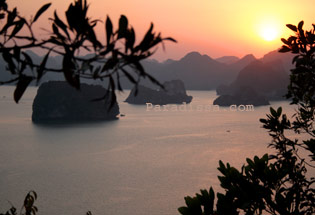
(57, 101)
(243, 96)
(174, 92)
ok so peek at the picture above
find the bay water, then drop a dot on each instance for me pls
(146, 162)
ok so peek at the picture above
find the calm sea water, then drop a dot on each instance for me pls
(143, 163)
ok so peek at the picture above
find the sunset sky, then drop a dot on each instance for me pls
(212, 27)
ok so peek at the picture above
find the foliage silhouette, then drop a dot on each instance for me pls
(277, 183)
(28, 207)
(119, 56)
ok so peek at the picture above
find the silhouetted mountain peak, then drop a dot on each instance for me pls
(255, 68)
(192, 55)
(227, 59)
(264, 77)
(258, 66)
(268, 79)
(152, 60)
(285, 58)
(275, 55)
(241, 63)
(249, 57)
(195, 56)
(169, 61)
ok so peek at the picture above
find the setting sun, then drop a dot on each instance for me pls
(269, 33)
(269, 27)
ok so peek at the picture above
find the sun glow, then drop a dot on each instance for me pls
(269, 30)
(269, 33)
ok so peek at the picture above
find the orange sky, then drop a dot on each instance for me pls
(212, 27)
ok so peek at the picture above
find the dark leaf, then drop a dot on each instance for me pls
(5, 28)
(92, 38)
(118, 82)
(193, 205)
(145, 43)
(123, 25)
(57, 33)
(34, 194)
(41, 11)
(130, 77)
(108, 49)
(263, 121)
(292, 27)
(10, 20)
(23, 67)
(273, 112)
(300, 26)
(292, 39)
(170, 39)
(16, 53)
(113, 94)
(42, 66)
(28, 60)
(109, 30)
(155, 81)
(54, 40)
(295, 49)
(110, 64)
(72, 14)
(61, 25)
(184, 211)
(96, 72)
(69, 70)
(18, 26)
(13, 210)
(21, 86)
(3, 5)
(285, 41)
(295, 59)
(211, 194)
(279, 111)
(284, 49)
(76, 17)
(11, 16)
(130, 40)
(7, 56)
(139, 68)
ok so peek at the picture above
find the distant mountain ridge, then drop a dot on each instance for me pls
(269, 79)
(198, 72)
(285, 58)
(227, 59)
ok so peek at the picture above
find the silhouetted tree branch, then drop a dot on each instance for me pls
(119, 56)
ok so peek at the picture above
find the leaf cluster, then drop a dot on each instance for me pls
(120, 55)
(201, 204)
(28, 207)
(302, 79)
